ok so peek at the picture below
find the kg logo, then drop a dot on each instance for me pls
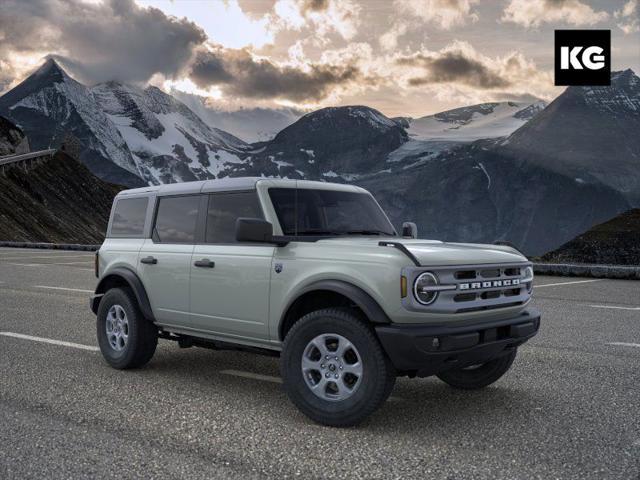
(583, 57)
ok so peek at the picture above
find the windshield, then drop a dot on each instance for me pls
(328, 212)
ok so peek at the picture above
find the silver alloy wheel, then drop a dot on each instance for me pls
(332, 367)
(117, 326)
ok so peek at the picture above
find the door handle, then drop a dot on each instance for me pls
(149, 260)
(205, 263)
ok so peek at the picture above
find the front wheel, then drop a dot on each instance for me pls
(334, 369)
(479, 376)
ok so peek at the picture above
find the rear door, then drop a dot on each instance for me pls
(164, 262)
(230, 280)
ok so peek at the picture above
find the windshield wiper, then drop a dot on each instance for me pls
(369, 232)
(318, 231)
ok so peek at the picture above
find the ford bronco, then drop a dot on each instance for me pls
(313, 272)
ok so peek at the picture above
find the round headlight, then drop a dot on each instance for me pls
(528, 275)
(422, 290)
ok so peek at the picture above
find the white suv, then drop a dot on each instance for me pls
(313, 272)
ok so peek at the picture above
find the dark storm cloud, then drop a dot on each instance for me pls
(454, 67)
(113, 40)
(238, 73)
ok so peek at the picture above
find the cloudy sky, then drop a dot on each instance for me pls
(403, 57)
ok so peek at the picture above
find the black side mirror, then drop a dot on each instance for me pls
(253, 230)
(409, 230)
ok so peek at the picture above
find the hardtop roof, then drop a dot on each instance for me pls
(231, 184)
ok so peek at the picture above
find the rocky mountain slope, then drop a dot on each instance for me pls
(590, 134)
(615, 242)
(58, 200)
(12, 140)
(476, 193)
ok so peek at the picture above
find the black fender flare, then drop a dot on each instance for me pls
(358, 296)
(134, 282)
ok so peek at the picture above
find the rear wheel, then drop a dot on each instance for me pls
(334, 369)
(126, 338)
(479, 376)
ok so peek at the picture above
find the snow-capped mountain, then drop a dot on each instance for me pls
(167, 140)
(334, 143)
(466, 124)
(49, 105)
(250, 124)
(130, 135)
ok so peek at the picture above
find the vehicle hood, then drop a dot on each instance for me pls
(437, 253)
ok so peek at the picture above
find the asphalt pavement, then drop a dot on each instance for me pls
(569, 408)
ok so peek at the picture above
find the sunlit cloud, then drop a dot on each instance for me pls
(445, 14)
(224, 22)
(628, 17)
(532, 13)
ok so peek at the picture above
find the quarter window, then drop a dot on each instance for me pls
(225, 209)
(128, 217)
(176, 219)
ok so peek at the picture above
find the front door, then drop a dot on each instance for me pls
(230, 280)
(165, 259)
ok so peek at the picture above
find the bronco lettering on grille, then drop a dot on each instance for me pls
(491, 284)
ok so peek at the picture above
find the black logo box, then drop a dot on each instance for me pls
(584, 39)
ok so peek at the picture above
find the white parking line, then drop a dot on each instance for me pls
(614, 307)
(49, 265)
(623, 344)
(253, 376)
(566, 283)
(63, 288)
(50, 341)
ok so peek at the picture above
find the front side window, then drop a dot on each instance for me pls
(176, 219)
(225, 209)
(328, 212)
(128, 217)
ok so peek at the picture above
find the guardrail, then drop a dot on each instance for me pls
(25, 158)
(588, 270)
(50, 246)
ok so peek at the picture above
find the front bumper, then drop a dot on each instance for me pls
(426, 350)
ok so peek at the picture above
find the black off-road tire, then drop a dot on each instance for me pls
(142, 334)
(378, 376)
(481, 376)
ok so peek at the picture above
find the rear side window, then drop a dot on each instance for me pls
(176, 219)
(225, 209)
(128, 217)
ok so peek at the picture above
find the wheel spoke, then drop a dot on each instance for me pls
(343, 347)
(354, 369)
(308, 364)
(321, 386)
(320, 344)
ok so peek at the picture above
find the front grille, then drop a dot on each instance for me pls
(485, 287)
